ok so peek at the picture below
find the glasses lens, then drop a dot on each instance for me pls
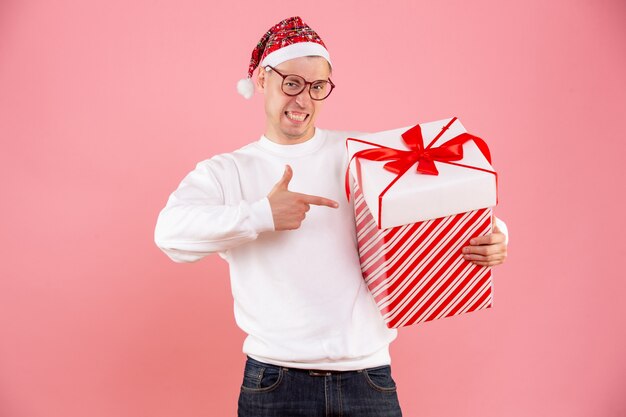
(293, 84)
(320, 89)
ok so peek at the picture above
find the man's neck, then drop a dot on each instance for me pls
(285, 140)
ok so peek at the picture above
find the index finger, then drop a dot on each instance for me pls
(488, 239)
(319, 201)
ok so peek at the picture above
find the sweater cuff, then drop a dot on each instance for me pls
(261, 216)
(502, 226)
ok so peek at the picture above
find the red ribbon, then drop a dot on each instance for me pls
(402, 160)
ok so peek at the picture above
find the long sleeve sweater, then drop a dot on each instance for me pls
(299, 295)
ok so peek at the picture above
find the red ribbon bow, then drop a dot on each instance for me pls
(402, 160)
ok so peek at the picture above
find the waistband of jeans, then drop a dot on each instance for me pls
(314, 372)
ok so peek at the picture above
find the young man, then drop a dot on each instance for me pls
(276, 211)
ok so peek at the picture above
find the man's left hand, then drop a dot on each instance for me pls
(488, 250)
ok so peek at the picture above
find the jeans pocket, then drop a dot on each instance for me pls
(261, 378)
(380, 378)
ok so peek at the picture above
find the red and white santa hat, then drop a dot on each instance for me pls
(289, 39)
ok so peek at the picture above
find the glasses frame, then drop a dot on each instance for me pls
(310, 83)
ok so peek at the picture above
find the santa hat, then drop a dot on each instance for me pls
(289, 39)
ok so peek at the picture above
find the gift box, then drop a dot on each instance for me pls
(420, 194)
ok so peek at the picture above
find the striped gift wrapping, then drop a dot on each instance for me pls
(416, 272)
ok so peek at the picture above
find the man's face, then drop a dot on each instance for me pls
(291, 119)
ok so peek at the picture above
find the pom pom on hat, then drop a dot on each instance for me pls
(289, 39)
(245, 87)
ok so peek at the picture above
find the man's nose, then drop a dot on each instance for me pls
(303, 98)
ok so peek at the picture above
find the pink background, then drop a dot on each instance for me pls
(106, 105)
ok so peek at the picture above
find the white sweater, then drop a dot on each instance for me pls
(299, 294)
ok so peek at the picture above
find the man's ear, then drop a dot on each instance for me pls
(261, 80)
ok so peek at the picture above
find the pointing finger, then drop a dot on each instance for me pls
(319, 201)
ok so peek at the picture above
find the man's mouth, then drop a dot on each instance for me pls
(296, 116)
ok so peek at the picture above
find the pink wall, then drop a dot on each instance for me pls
(106, 105)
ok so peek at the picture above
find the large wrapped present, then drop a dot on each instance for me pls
(420, 194)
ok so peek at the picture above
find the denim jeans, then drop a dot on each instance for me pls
(269, 390)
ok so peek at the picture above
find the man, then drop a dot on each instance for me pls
(276, 211)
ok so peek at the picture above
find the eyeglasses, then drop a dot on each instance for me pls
(294, 84)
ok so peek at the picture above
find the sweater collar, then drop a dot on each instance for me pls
(297, 149)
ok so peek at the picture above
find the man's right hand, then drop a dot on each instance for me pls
(289, 208)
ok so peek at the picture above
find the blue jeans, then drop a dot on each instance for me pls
(269, 390)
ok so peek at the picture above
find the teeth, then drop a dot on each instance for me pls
(297, 117)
